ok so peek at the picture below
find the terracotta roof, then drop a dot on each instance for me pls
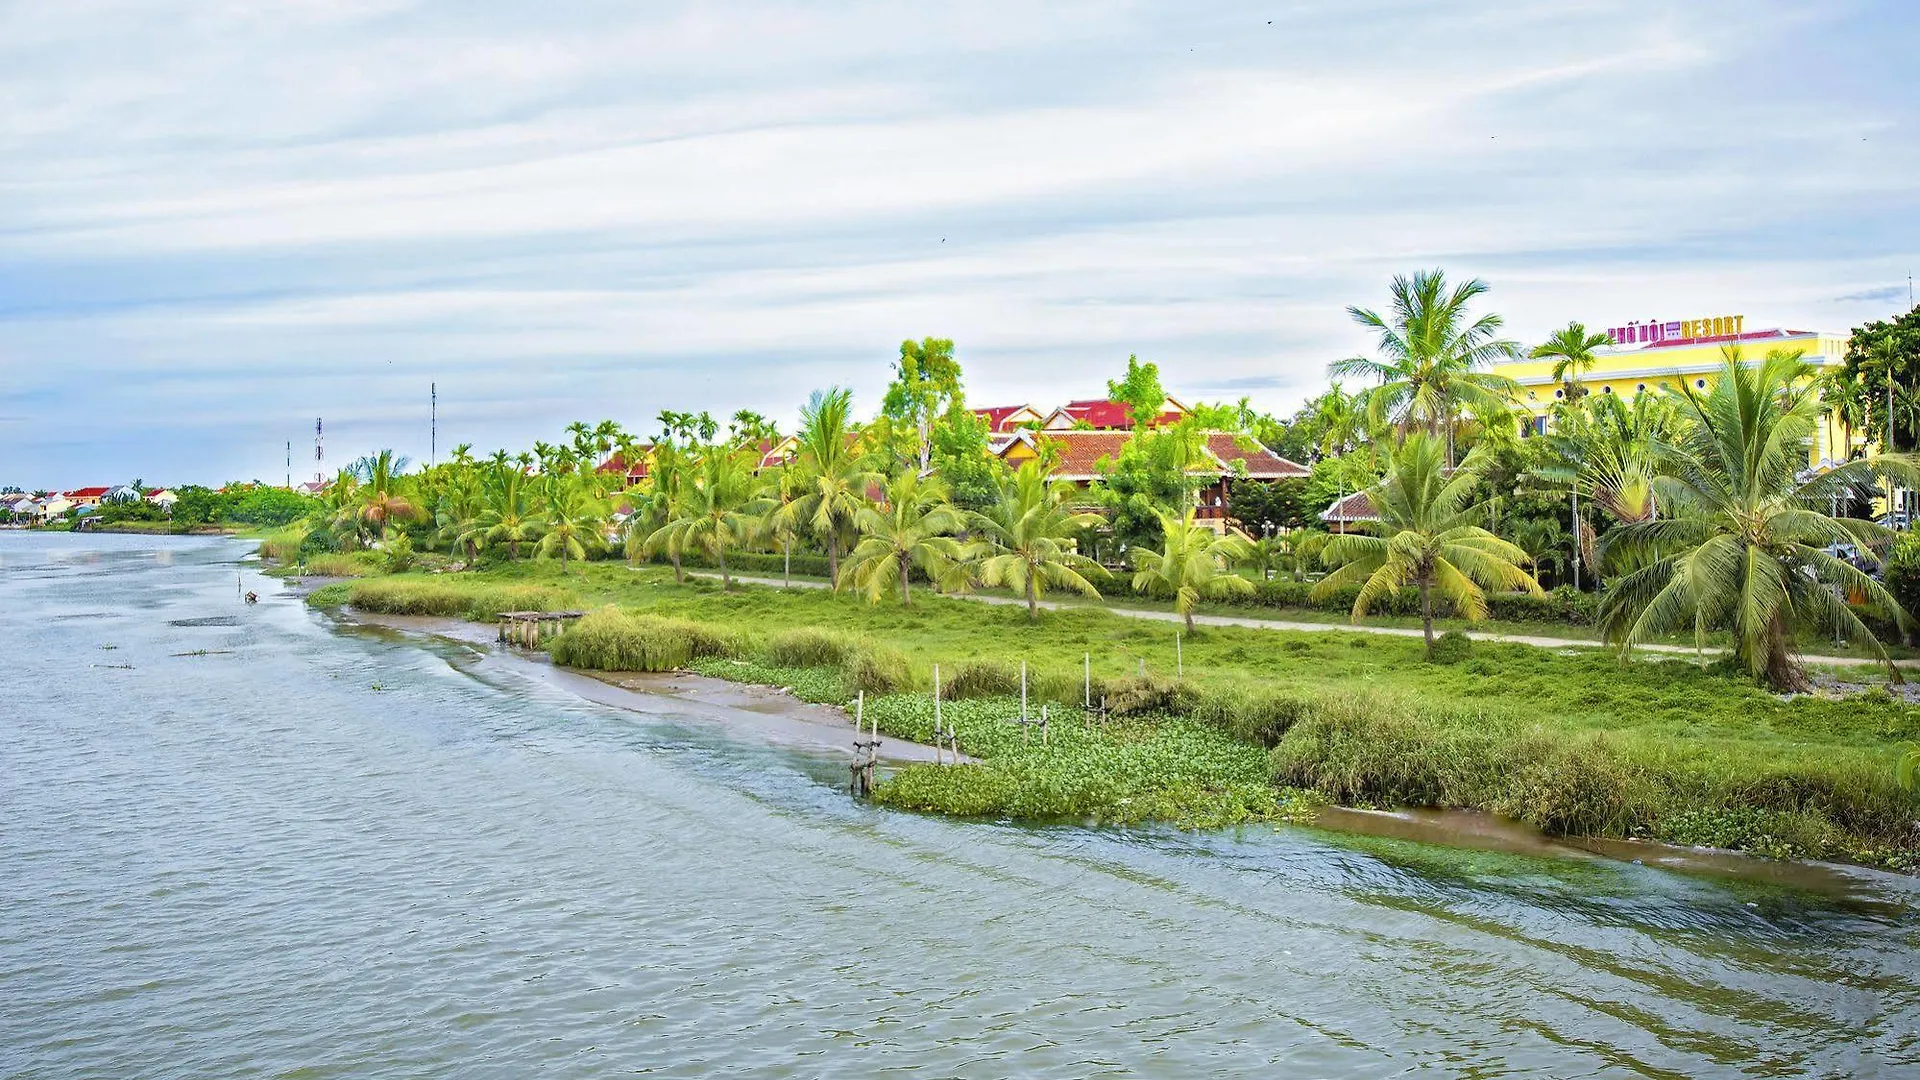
(86, 493)
(1355, 507)
(616, 464)
(1261, 463)
(1079, 450)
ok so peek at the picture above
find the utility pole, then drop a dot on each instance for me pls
(289, 464)
(433, 424)
(1576, 537)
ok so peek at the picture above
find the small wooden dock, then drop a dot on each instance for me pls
(530, 628)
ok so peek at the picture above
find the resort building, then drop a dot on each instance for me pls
(1225, 460)
(1008, 418)
(1100, 414)
(87, 496)
(1651, 356)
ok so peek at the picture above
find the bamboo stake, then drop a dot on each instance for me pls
(936, 715)
(1023, 691)
(1179, 660)
(1086, 682)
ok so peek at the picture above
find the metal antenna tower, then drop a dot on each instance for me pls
(319, 453)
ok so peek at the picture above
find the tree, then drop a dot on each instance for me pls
(574, 521)
(914, 527)
(509, 516)
(833, 478)
(1151, 478)
(1028, 536)
(1265, 507)
(1571, 350)
(660, 502)
(714, 514)
(456, 514)
(382, 501)
(1140, 391)
(1426, 536)
(961, 459)
(1742, 540)
(1194, 563)
(1432, 358)
(1880, 353)
(926, 383)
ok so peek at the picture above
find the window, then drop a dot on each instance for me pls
(1606, 389)
(1559, 393)
(1641, 389)
(1700, 384)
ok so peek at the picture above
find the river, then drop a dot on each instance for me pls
(243, 841)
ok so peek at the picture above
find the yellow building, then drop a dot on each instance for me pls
(1647, 357)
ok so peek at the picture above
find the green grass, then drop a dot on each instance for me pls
(1569, 740)
(465, 598)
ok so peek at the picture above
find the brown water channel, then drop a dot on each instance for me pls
(244, 841)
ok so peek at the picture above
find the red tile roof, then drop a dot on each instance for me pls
(1355, 507)
(996, 415)
(617, 465)
(1261, 463)
(1081, 450)
(86, 493)
(1104, 415)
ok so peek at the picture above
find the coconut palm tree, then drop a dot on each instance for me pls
(1301, 548)
(833, 475)
(1425, 537)
(575, 521)
(1027, 539)
(381, 499)
(914, 527)
(1194, 563)
(510, 516)
(658, 502)
(714, 514)
(463, 499)
(1571, 350)
(1742, 536)
(1432, 359)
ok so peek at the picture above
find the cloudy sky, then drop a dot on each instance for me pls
(220, 219)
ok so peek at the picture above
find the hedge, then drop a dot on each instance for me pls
(1559, 606)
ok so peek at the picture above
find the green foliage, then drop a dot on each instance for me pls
(460, 598)
(1265, 507)
(1193, 564)
(1140, 391)
(198, 505)
(1151, 477)
(613, 640)
(270, 506)
(807, 647)
(1452, 647)
(352, 564)
(1878, 353)
(330, 596)
(1903, 572)
(1432, 358)
(398, 556)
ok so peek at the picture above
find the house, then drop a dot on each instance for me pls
(1100, 414)
(87, 496)
(1007, 418)
(164, 498)
(1345, 513)
(634, 471)
(51, 507)
(1224, 461)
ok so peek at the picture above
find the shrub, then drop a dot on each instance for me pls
(329, 596)
(398, 558)
(879, 670)
(612, 640)
(283, 545)
(981, 678)
(1903, 572)
(479, 601)
(807, 647)
(353, 565)
(1452, 647)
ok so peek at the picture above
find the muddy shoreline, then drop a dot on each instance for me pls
(773, 715)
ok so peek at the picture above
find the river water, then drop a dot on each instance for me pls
(243, 842)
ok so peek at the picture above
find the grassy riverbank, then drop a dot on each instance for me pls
(1570, 742)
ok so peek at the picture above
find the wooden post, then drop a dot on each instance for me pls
(936, 715)
(1179, 661)
(1143, 667)
(1044, 741)
(1086, 692)
(1023, 691)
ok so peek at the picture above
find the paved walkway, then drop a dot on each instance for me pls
(1538, 640)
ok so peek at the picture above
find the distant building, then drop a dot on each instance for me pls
(1100, 414)
(1006, 418)
(87, 496)
(1225, 460)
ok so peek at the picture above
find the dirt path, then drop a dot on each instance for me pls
(1537, 640)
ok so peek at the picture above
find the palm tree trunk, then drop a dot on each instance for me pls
(720, 556)
(679, 574)
(1033, 599)
(1426, 610)
(904, 601)
(1784, 673)
(786, 564)
(833, 560)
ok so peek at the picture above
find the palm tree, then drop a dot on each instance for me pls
(914, 528)
(833, 478)
(575, 520)
(1432, 358)
(714, 513)
(1301, 547)
(381, 501)
(510, 516)
(1425, 536)
(1027, 538)
(1571, 350)
(668, 480)
(457, 514)
(1742, 537)
(1193, 563)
